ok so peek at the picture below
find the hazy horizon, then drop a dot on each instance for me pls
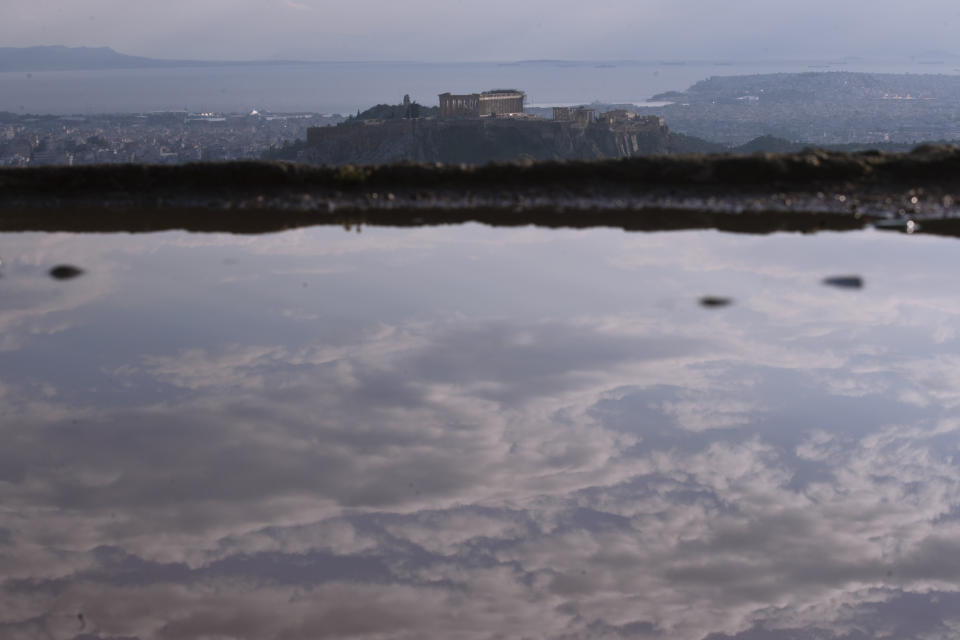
(417, 30)
(768, 60)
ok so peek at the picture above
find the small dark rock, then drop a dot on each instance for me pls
(715, 301)
(905, 225)
(844, 282)
(65, 272)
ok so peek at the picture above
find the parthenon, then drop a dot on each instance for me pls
(477, 105)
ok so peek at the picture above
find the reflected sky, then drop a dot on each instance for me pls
(470, 432)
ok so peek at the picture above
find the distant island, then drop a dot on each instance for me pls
(817, 108)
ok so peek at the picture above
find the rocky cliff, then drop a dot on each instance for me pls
(479, 141)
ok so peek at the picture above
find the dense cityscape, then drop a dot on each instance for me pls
(773, 112)
(155, 138)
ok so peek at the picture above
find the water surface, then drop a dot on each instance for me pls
(344, 87)
(471, 432)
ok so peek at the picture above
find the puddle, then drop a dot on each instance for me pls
(464, 430)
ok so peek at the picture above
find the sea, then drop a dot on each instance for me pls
(345, 87)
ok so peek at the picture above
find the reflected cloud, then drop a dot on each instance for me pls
(585, 472)
(703, 413)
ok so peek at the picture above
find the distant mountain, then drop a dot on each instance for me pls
(833, 87)
(67, 58)
(58, 58)
(935, 54)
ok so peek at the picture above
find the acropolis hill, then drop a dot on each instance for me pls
(485, 127)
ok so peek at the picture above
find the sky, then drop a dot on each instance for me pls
(468, 30)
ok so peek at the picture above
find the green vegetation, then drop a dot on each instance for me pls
(395, 111)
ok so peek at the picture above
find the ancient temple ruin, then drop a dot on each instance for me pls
(499, 102)
(580, 115)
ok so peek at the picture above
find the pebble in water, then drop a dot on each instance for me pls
(844, 282)
(715, 301)
(65, 272)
